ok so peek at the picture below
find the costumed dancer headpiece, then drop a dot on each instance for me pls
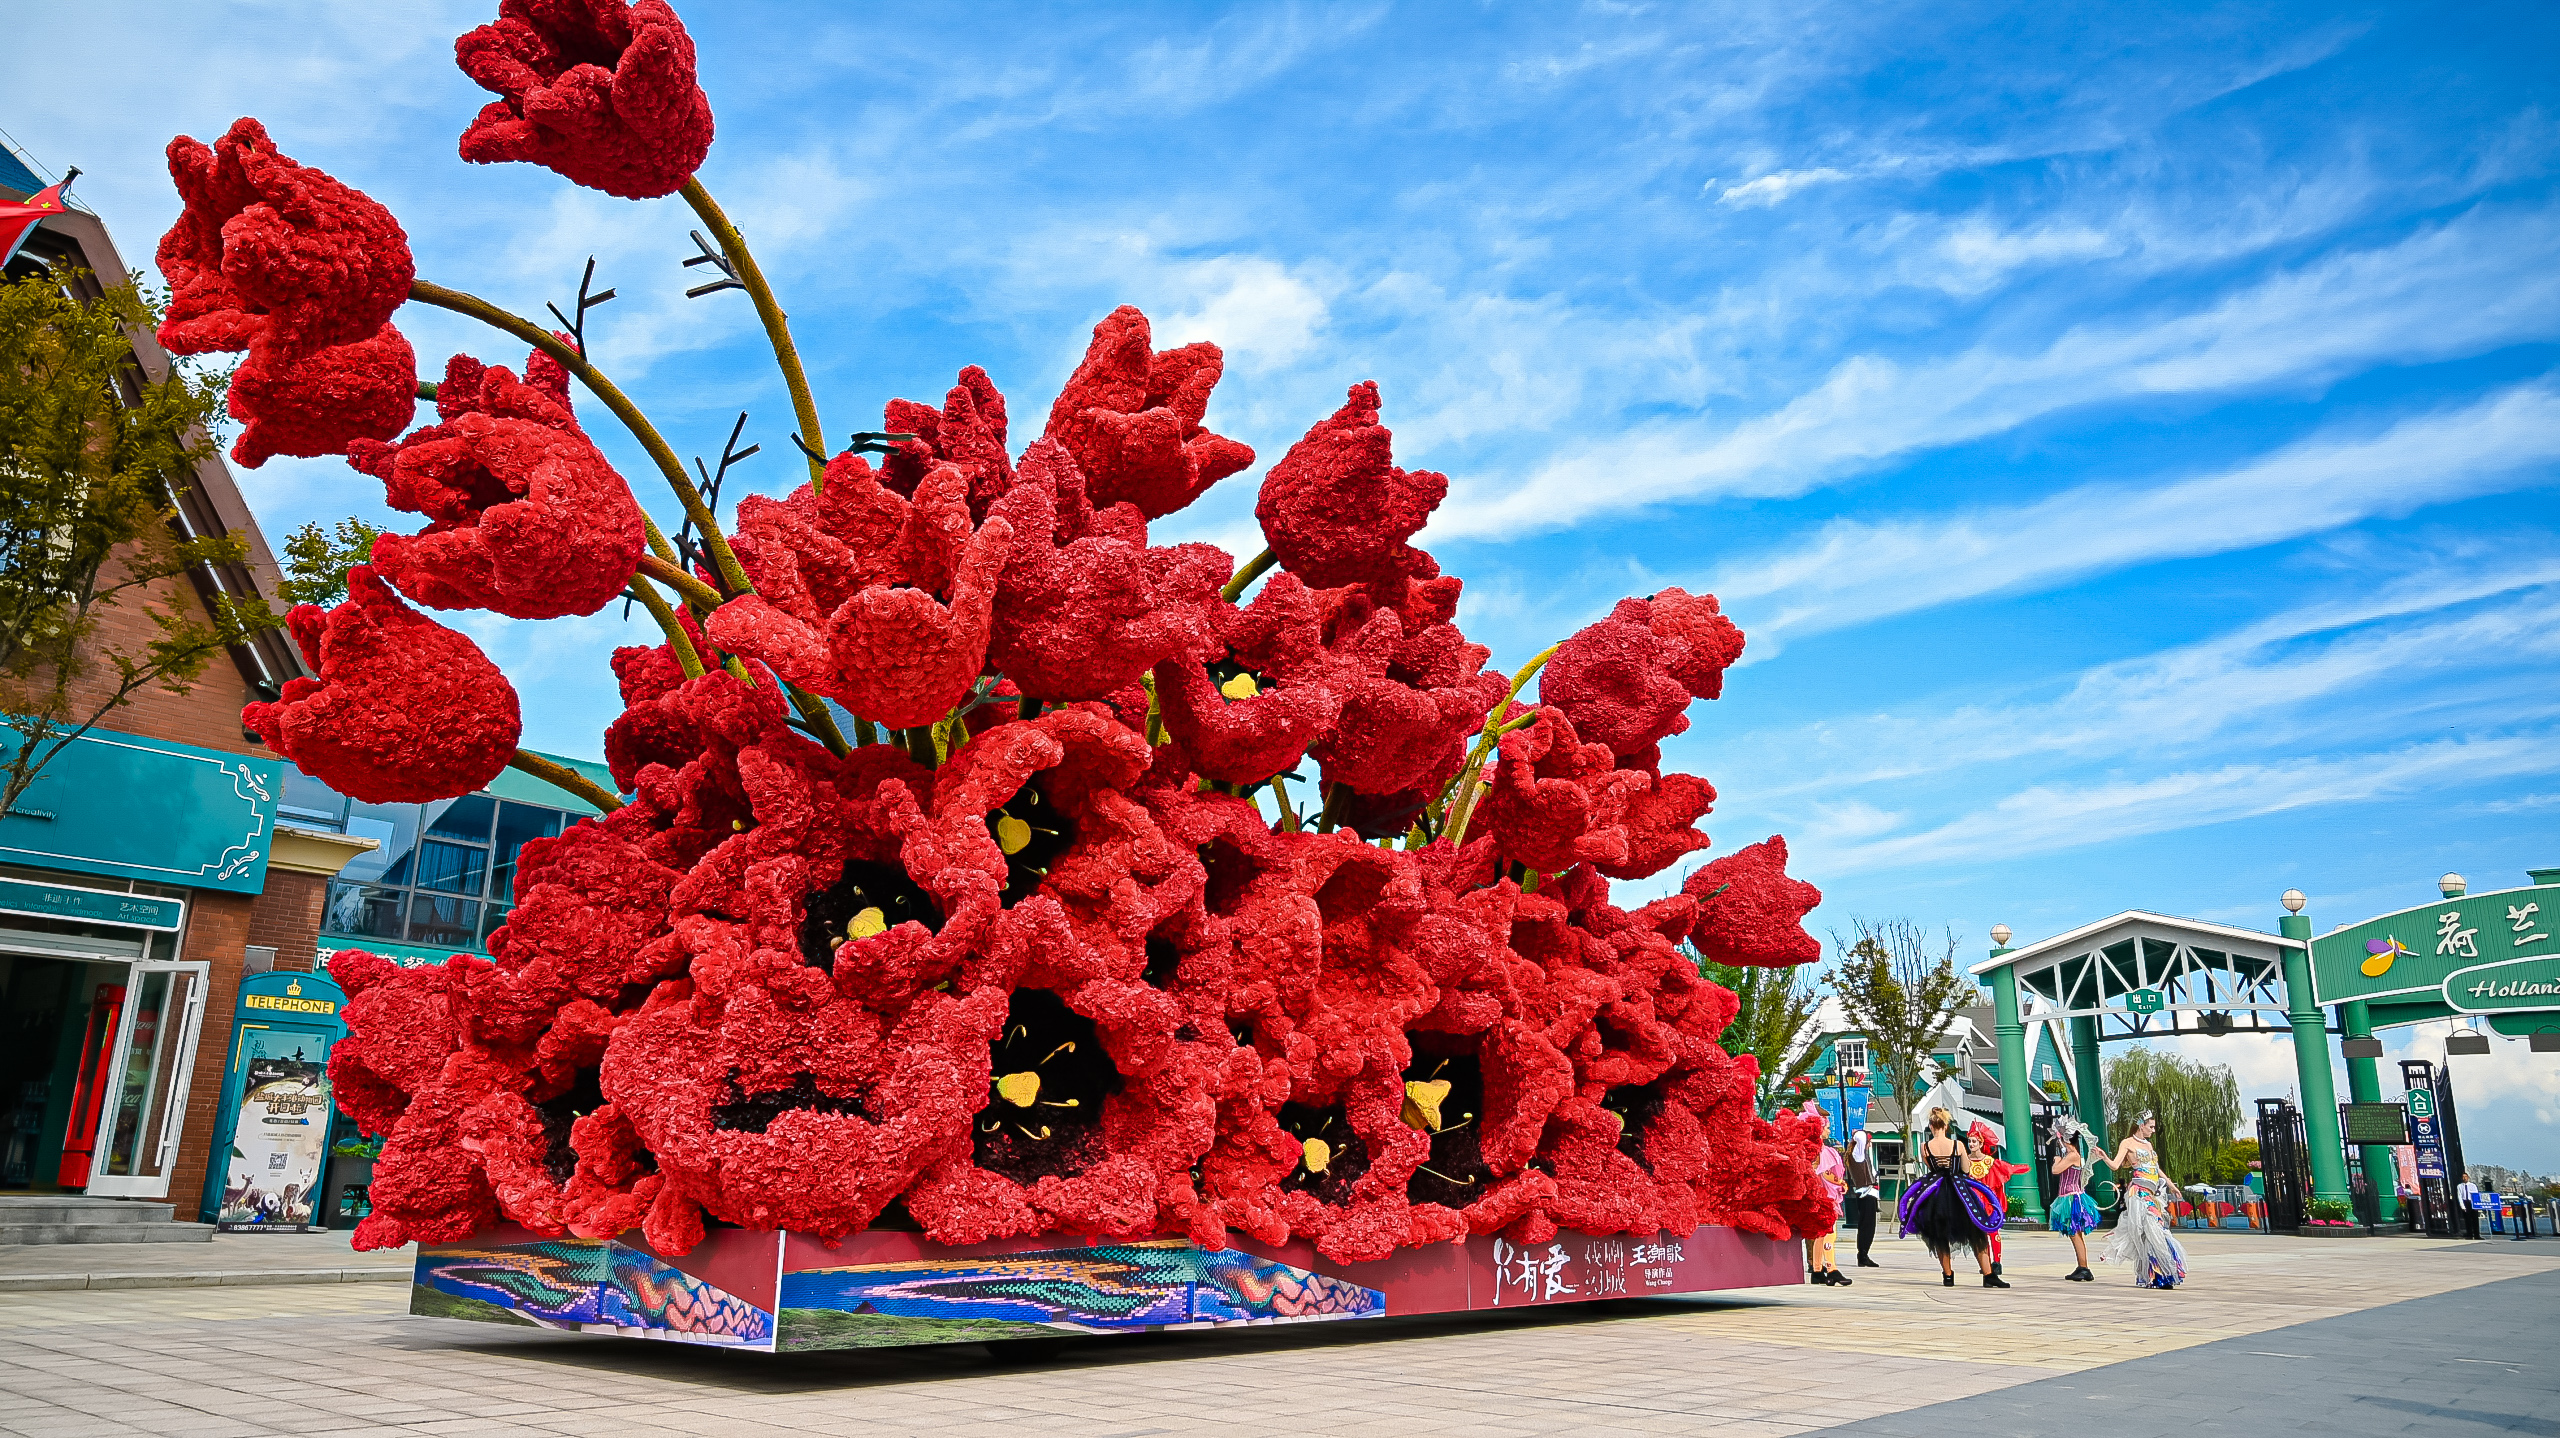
(1981, 1133)
(2070, 1130)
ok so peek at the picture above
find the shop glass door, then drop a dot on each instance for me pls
(147, 1087)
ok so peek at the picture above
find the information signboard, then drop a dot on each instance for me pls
(2375, 1123)
(2426, 1134)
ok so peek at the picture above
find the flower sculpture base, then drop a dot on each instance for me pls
(784, 1292)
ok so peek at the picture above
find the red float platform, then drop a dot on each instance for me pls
(784, 1292)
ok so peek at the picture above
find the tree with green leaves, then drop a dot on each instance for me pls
(93, 454)
(316, 560)
(1901, 992)
(2198, 1106)
(1774, 1023)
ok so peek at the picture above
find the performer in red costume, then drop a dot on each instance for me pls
(1982, 1154)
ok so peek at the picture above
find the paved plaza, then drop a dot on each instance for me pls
(2388, 1335)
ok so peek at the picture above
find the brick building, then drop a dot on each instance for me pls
(144, 874)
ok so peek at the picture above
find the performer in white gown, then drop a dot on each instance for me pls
(2142, 1238)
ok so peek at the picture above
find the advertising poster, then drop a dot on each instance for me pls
(281, 1138)
(1829, 1099)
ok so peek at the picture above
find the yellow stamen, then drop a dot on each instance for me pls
(1019, 1090)
(1012, 834)
(1240, 687)
(865, 924)
(1316, 1155)
(1422, 1100)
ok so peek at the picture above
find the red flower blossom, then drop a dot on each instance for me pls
(319, 402)
(899, 656)
(1615, 680)
(1714, 643)
(268, 249)
(1336, 509)
(1086, 607)
(1555, 802)
(1661, 819)
(1750, 912)
(967, 431)
(1131, 417)
(600, 91)
(405, 710)
(525, 515)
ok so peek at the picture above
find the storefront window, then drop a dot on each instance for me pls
(445, 874)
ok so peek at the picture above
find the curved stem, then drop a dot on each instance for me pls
(777, 325)
(687, 657)
(697, 593)
(821, 721)
(658, 541)
(1254, 569)
(561, 776)
(726, 563)
(1462, 790)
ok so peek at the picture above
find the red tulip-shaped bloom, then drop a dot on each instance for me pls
(898, 656)
(600, 91)
(322, 401)
(266, 248)
(1697, 621)
(527, 517)
(1336, 509)
(404, 711)
(1615, 680)
(1555, 801)
(1132, 419)
(1087, 606)
(967, 431)
(1661, 819)
(1750, 912)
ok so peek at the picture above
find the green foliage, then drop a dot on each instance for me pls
(2230, 1163)
(2333, 1209)
(1772, 1024)
(1901, 992)
(2198, 1106)
(316, 560)
(92, 453)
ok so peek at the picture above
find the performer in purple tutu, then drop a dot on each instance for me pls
(1949, 1206)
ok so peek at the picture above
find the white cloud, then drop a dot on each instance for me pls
(2456, 288)
(1253, 307)
(1773, 189)
(1853, 572)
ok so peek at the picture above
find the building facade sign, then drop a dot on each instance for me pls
(2426, 1133)
(148, 809)
(2513, 986)
(93, 906)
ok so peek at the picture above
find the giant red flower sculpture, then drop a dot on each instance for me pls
(974, 861)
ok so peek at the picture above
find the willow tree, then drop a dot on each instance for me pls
(2198, 1106)
(93, 455)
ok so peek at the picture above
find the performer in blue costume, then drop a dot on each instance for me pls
(2075, 1215)
(1949, 1206)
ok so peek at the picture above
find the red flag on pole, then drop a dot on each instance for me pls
(19, 220)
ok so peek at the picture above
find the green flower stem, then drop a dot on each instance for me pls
(1254, 569)
(561, 776)
(1463, 789)
(658, 541)
(814, 711)
(864, 732)
(702, 596)
(687, 657)
(1288, 811)
(777, 325)
(732, 577)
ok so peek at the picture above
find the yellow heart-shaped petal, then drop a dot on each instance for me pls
(1012, 834)
(2378, 965)
(1019, 1090)
(1317, 1154)
(865, 924)
(1422, 1100)
(1240, 687)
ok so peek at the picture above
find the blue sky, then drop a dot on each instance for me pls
(2127, 435)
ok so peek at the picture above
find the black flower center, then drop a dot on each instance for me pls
(1455, 1174)
(870, 899)
(754, 1112)
(1636, 1106)
(1032, 833)
(1048, 1079)
(1331, 1157)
